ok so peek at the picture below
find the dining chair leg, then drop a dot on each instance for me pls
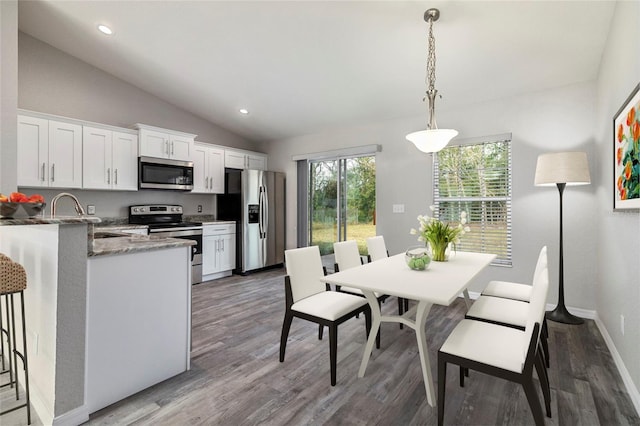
(333, 351)
(534, 402)
(400, 309)
(462, 374)
(544, 338)
(544, 383)
(367, 324)
(286, 326)
(442, 381)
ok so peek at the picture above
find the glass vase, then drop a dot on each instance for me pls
(439, 251)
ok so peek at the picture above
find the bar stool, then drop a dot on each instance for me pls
(13, 280)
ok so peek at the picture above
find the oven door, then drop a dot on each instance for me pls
(161, 173)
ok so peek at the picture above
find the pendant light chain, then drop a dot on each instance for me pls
(431, 59)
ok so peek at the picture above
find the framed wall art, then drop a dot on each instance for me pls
(626, 153)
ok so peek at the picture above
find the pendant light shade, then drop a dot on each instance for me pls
(432, 139)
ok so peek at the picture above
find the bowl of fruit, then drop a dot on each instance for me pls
(417, 258)
(32, 205)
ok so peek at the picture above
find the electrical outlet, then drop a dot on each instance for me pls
(622, 324)
(91, 209)
(398, 208)
(199, 208)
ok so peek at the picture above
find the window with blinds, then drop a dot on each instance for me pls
(476, 178)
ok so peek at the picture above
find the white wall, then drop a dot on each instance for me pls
(559, 119)
(618, 248)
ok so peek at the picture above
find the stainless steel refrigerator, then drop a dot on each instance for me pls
(255, 199)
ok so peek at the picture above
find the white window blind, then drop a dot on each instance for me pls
(476, 178)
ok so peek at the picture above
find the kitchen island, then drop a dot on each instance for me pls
(81, 293)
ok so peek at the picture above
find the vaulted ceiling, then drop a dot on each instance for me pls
(301, 67)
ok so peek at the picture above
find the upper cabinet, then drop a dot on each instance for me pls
(208, 169)
(236, 159)
(110, 159)
(164, 143)
(49, 153)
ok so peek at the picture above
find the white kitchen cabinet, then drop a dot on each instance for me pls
(218, 250)
(49, 153)
(235, 159)
(110, 159)
(164, 143)
(208, 169)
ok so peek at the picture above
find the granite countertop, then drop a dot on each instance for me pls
(39, 220)
(133, 243)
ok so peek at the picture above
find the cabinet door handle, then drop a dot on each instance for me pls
(115, 176)
(43, 172)
(53, 172)
(171, 147)
(210, 183)
(206, 183)
(109, 176)
(166, 146)
(222, 242)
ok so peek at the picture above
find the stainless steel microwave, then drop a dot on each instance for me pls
(163, 173)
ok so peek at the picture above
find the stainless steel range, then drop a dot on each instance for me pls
(165, 220)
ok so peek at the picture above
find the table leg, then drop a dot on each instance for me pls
(375, 327)
(467, 300)
(421, 319)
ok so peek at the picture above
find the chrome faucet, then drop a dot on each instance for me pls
(77, 205)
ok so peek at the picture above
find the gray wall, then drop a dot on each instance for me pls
(54, 82)
(618, 246)
(546, 121)
(8, 95)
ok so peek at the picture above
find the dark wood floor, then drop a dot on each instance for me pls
(236, 378)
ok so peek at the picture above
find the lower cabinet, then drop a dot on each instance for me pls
(218, 250)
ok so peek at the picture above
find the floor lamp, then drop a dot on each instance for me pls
(562, 169)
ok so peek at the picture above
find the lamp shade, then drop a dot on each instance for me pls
(432, 140)
(571, 168)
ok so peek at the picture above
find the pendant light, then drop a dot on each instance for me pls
(432, 139)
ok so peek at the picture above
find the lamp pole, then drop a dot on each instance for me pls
(560, 313)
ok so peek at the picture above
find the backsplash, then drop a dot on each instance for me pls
(115, 204)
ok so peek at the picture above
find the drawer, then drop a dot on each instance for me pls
(219, 229)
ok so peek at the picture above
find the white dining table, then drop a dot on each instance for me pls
(441, 284)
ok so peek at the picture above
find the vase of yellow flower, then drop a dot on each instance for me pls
(439, 235)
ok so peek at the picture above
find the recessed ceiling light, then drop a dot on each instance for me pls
(243, 111)
(104, 29)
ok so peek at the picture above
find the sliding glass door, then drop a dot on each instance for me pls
(342, 201)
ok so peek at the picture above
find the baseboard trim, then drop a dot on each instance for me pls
(72, 418)
(622, 369)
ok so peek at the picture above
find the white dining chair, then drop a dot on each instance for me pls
(347, 256)
(500, 351)
(511, 311)
(308, 298)
(378, 250)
